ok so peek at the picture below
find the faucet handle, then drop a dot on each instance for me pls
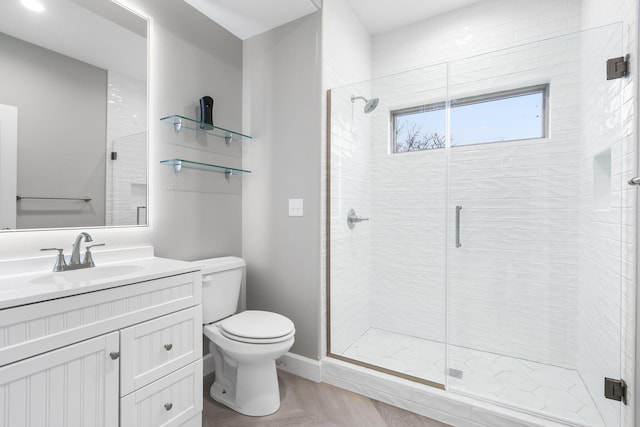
(88, 248)
(52, 249)
(88, 258)
(60, 261)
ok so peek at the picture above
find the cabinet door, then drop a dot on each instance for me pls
(72, 386)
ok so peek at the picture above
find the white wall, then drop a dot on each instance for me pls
(194, 215)
(281, 97)
(8, 165)
(481, 27)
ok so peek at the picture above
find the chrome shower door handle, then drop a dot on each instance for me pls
(458, 209)
(634, 181)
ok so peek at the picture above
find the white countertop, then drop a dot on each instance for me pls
(35, 285)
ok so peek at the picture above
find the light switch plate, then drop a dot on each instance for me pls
(295, 207)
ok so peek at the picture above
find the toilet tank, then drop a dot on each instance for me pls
(221, 284)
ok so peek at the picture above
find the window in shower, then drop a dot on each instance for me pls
(496, 117)
(419, 128)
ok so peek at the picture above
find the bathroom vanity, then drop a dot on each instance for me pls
(117, 344)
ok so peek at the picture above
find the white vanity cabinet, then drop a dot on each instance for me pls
(129, 355)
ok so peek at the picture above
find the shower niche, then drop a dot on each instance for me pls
(602, 180)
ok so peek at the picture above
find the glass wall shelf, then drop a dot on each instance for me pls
(180, 122)
(178, 164)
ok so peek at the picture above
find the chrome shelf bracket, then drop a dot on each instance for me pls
(177, 124)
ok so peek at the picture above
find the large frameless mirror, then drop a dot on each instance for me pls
(73, 114)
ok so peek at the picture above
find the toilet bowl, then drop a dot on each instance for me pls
(244, 346)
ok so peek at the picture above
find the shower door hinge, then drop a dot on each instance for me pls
(618, 67)
(615, 390)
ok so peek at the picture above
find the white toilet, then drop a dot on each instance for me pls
(244, 346)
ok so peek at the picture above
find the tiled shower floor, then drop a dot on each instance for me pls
(556, 391)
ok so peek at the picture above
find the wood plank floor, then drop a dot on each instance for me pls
(308, 404)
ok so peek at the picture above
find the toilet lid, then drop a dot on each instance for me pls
(256, 326)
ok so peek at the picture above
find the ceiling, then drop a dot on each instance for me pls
(379, 16)
(248, 18)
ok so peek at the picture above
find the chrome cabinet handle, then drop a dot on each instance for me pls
(353, 219)
(168, 347)
(114, 354)
(458, 209)
(634, 181)
(168, 406)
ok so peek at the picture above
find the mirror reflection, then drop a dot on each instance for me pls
(73, 114)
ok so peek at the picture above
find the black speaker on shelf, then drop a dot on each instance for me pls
(206, 112)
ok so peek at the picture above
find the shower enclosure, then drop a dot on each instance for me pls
(479, 226)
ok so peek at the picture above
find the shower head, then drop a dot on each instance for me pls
(370, 104)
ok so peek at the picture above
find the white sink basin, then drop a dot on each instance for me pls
(82, 276)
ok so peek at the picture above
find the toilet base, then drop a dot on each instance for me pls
(256, 390)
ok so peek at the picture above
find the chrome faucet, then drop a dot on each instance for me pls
(75, 252)
(74, 261)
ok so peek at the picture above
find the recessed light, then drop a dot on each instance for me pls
(34, 5)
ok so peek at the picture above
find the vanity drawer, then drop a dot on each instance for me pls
(153, 349)
(170, 401)
(37, 328)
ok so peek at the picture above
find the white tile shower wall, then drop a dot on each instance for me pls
(126, 134)
(507, 289)
(478, 28)
(607, 285)
(408, 216)
(346, 59)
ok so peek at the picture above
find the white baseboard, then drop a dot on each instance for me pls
(300, 366)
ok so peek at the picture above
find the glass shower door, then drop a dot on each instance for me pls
(535, 234)
(387, 273)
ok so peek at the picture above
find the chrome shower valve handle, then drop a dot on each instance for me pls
(353, 219)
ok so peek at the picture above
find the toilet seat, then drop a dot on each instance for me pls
(257, 327)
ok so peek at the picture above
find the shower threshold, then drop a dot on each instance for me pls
(550, 389)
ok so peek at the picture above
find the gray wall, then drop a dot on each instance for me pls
(62, 105)
(195, 214)
(282, 106)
